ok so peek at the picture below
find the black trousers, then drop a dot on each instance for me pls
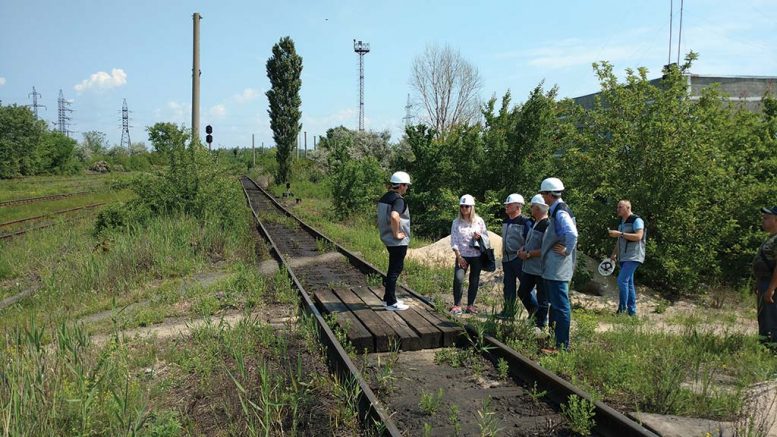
(396, 264)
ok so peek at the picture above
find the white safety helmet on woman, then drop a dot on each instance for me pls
(400, 177)
(552, 185)
(467, 200)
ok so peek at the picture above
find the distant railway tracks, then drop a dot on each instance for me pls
(404, 371)
(16, 202)
(11, 229)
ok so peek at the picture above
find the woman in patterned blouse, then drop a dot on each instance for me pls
(467, 233)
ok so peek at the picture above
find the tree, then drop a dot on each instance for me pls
(284, 68)
(447, 86)
(95, 142)
(166, 137)
(20, 137)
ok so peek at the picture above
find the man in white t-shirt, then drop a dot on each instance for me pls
(629, 251)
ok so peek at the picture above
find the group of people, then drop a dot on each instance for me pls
(539, 254)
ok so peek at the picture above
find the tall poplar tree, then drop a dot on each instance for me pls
(284, 68)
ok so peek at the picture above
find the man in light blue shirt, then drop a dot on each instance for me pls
(559, 255)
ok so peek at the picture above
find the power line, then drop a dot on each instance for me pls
(125, 125)
(63, 120)
(361, 48)
(408, 116)
(35, 104)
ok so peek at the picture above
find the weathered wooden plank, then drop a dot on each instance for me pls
(408, 338)
(431, 337)
(450, 330)
(359, 336)
(382, 333)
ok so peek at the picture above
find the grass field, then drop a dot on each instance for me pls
(166, 329)
(36, 186)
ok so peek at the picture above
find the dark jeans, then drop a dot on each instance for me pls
(474, 280)
(396, 264)
(512, 272)
(540, 313)
(767, 315)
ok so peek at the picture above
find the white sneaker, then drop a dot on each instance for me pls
(399, 301)
(397, 307)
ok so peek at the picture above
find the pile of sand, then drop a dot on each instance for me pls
(439, 254)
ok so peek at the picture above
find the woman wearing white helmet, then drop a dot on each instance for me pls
(467, 232)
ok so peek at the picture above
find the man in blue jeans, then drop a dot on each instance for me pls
(559, 254)
(629, 251)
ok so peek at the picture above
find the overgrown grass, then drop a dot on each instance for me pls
(74, 274)
(36, 186)
(50, 206)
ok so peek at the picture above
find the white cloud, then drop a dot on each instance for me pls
(218, 111)
(247, 95)
(103, 80)
(2, 81)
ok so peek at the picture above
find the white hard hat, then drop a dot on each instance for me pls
(538, 200)
(606, 267)
(400, 177)
(467, 200)
(552, 184)
(514, 198)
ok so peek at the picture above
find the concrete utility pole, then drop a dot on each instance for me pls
(306, 144)
(253, 150)
(196, 80)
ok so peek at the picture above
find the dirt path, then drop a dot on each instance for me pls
(185, 325)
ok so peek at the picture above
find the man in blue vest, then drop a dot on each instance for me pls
(629, 251)
(514, 230)
(394, 226)
(559, 254)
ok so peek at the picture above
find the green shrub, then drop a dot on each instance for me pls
(357, 185)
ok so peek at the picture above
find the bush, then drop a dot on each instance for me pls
(356, 185)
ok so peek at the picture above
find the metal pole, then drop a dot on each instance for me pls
(196, 80)
(306, 144)
(253, 150)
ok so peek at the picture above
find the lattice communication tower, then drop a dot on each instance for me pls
(361, 49)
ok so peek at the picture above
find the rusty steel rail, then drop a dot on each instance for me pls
(45, 225)
(14, 202)
(51, 214)
(370, 407)
(609, 422)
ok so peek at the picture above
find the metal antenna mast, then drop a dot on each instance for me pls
(408, 116)
(63, 120)
(361, 48)
(35, 104)
(125, 125)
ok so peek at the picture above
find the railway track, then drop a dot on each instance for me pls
(16, 202)
(39, 220)
(408, 380)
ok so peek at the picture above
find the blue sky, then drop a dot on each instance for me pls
(100, 52)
